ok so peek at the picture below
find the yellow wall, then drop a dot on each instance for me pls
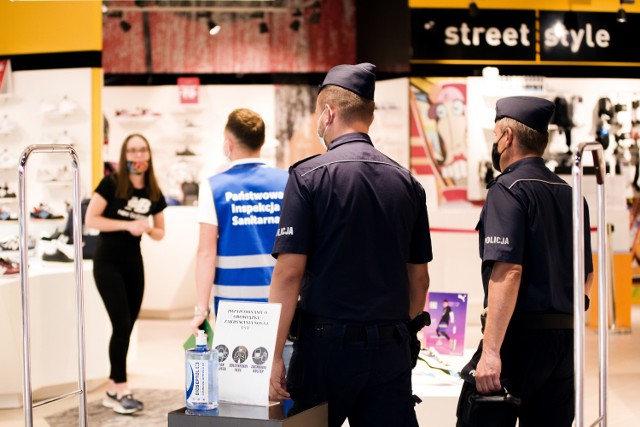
(622, 290)
(577, 5)
(34, 27)
(50, 26)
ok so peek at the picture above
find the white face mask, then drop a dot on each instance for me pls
(321, 137)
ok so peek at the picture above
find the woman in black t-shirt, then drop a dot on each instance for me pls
(124, 206)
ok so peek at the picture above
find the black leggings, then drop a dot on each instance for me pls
(119, 278)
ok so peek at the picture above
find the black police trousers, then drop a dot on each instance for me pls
(364, 373)
(537, 368)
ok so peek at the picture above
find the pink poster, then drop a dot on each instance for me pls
(448, 318)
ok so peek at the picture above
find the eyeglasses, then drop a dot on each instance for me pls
(141, 150)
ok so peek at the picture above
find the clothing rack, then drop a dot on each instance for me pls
(24, 279)
(579, 279)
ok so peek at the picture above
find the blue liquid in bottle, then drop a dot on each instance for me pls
(201, 380)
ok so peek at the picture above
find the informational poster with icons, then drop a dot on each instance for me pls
(245, 337)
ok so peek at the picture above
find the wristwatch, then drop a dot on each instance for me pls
(197, 311)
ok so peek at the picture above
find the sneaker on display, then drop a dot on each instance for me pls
(5, 193)
(8, 267)
(12, 243)
(44, 236)
(62, 246)
(42, 211)
(56, 256)
(124, 405)
(6, 215)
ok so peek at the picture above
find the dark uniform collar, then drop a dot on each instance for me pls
(350, 137)
(539, 161)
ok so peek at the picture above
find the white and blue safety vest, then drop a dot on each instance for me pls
(248, 200)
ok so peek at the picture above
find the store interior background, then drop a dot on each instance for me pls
(79, 78)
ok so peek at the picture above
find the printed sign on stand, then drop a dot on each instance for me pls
(448, 318)
(245, 337)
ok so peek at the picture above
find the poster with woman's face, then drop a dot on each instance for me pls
(439, 134)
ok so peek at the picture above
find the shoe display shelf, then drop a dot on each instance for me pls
(53, 333)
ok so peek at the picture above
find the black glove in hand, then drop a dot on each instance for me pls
(414, 345)
(414, 326)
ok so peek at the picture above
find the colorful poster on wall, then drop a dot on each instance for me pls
(6, 83)
(448, 319)
(439, 134)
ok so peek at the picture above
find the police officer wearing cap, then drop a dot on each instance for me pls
(523, 368)
(352, 251)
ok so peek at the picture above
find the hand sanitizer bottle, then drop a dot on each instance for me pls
(201, 382)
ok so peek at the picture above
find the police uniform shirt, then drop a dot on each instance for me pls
(360, 218)
(527, 220)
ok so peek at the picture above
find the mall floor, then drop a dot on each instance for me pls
(159, 365)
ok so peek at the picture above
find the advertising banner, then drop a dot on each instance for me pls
(588, 37)
(453, 34)
(448, 319)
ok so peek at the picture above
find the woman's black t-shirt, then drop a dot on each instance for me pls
(138, 206)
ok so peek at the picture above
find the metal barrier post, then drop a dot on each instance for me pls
(579, 280)
(24, 277)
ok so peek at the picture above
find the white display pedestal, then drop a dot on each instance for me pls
(170, 266)
(54, 362)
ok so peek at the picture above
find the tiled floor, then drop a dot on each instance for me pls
(159, 364)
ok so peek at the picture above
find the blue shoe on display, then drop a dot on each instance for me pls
(126, 405)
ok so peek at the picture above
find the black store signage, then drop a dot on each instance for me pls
(596, 37)
(510, 35)
(453, 34)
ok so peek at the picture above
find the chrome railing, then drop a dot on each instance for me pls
(24, 276)
(579, 280)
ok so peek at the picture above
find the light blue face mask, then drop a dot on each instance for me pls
(321, 137)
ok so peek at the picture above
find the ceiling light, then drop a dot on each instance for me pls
(214, 28)
(125, 26)
(264, 28)
(622, 14)
(315, 16)
(570, 20)
(473, 9)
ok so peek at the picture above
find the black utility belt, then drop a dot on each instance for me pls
(353, 333)
(327, 328)
(542, 321)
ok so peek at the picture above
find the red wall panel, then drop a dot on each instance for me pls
(181, 44)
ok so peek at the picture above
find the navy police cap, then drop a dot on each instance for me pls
(359, 79)
(529, 110)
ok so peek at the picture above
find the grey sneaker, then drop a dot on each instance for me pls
(125, 405)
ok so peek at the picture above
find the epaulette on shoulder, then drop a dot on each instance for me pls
(299, 162)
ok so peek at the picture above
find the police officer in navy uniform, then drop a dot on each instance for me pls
(523, 368)
(352, 251)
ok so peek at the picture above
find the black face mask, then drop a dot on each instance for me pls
(495, 155)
